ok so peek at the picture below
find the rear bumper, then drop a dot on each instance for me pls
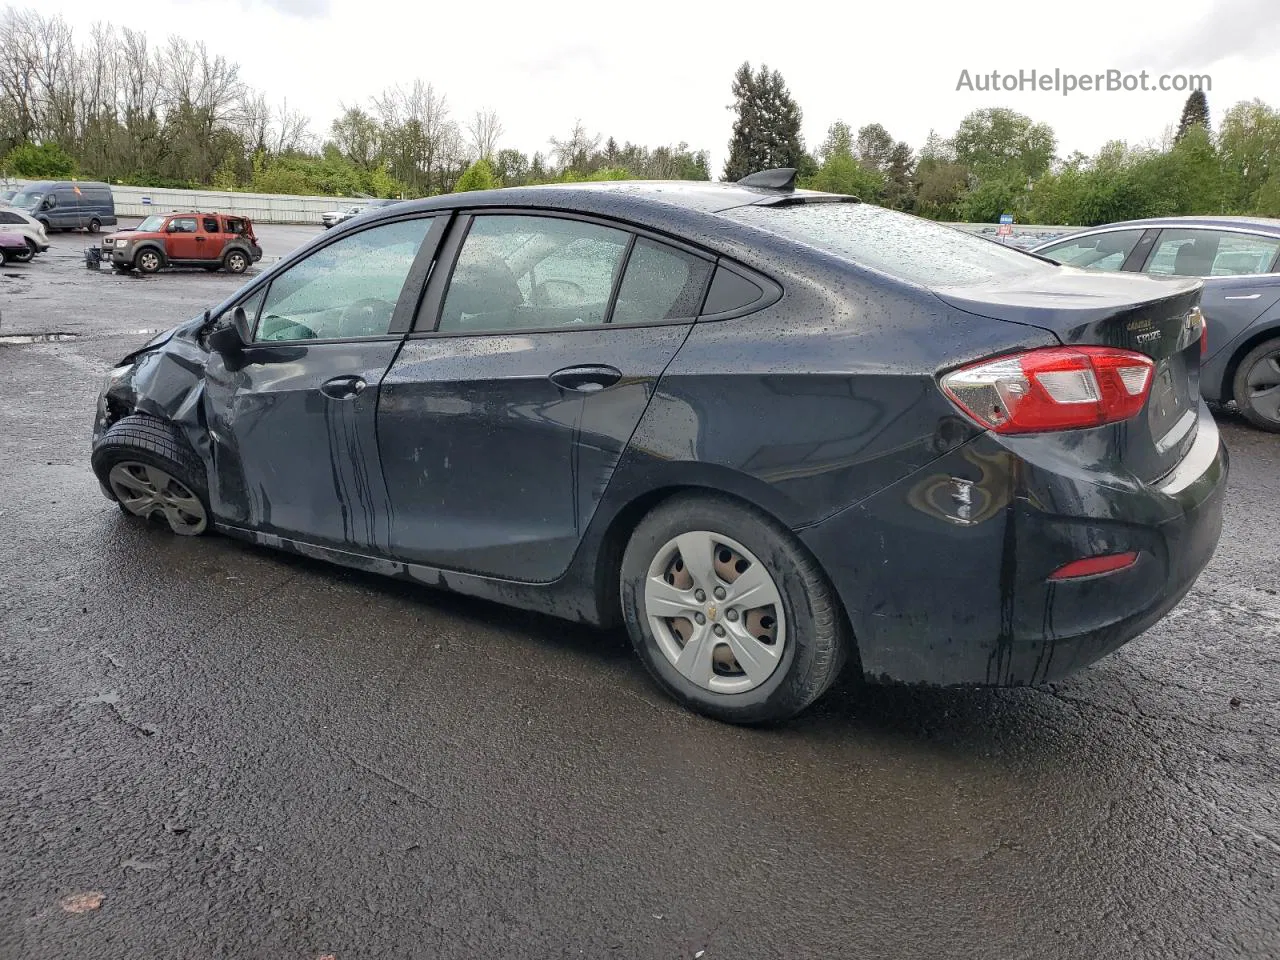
(944, 592)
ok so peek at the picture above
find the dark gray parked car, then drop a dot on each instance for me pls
(1239, 260)
(770, 431)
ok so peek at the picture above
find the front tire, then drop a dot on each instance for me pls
(95, 225)
(148, 261)
(746, 628)
(27, 255)
(153, 473)
(1257, 386)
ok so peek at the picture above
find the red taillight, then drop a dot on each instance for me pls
(1056, 388)
(1094, 566)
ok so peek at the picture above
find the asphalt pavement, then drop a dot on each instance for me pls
(208, 749)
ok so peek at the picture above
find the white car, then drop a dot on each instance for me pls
(335, 217)
(16, 221)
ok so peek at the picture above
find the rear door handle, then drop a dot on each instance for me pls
(586, 379)
(343, 388)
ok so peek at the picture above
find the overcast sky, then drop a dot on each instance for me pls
(661, 74)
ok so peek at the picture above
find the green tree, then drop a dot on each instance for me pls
(1195, 113)
(899, 178)
(839, 141)
(766, 130)
(940, 185)
(45, 161)
(874, 145)
(1249, 147)
(998, 142)
(478, 176)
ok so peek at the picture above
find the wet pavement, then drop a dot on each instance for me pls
(250, 754)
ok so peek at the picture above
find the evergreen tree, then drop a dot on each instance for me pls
(766, 132)
(478, 176)
(899, 187)
(1195, 112)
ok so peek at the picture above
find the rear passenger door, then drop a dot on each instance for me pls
(211, 238)
(540, 341)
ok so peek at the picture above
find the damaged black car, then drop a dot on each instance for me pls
(771, 431)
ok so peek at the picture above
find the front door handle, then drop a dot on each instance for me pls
(586, 379)
(343, 388)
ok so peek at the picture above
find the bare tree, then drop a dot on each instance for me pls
(485, 130)
(573, 153)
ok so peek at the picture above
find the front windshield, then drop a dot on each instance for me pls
(28, 201)
(151, 223)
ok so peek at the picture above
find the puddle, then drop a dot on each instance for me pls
(21, 338)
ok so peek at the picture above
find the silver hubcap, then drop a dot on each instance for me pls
(149, 261)
(715, 612)
(144, 489)
(1264, 386)
(237, 262)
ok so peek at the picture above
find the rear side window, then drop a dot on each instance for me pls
(7, 217)
(1212, 253)
(660, 283)
(909, 248)
(730, 291)
(1102, 251)
(211, 225)
(532, 272)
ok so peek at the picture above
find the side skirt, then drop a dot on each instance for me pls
(556, 599)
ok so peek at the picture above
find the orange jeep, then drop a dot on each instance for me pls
(209, 240)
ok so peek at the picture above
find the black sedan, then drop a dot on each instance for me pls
(1239, 260)
(771, 431)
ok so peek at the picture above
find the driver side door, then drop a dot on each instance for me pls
(292, 420)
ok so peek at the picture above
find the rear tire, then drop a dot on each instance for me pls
(237, 261)
(154, 474)
(809, 627)
(1257, 386)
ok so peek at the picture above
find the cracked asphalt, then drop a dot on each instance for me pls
(253, 755)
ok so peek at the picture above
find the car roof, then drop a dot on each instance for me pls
(622, 198)
(1263, 225)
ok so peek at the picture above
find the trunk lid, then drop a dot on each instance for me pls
(1154, 316)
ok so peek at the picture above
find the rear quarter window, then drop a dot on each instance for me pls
(909, 248)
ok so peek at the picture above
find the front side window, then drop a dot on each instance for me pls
(182, 225)
(1212, 253)
(531, 272)
(1102, 251)
(345, 289)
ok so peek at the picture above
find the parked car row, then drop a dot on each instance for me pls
(335, 217)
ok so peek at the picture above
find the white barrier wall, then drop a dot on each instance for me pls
(274, 208)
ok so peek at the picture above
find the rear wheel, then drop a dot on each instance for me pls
(148, 261)
(728, 612)
(237, 261)
(153, 473)
(1257, 386)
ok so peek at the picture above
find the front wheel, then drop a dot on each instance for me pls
(27, 255)
(1257, 386)
(729, 613)
(95, 225)
(236, 261)
(153, 473)
(148, 261)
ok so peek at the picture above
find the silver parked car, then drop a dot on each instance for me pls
(1239, 260)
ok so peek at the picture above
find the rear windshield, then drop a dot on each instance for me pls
(909, 248)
